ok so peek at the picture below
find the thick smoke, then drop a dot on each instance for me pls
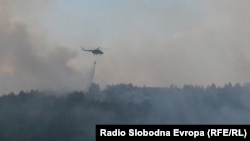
(202, 43)
(27, 62)
(162, 43)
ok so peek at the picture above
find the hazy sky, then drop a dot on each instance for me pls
(149, 42)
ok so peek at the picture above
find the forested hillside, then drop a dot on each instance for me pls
(40, 116)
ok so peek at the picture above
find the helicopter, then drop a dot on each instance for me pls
(94, 51)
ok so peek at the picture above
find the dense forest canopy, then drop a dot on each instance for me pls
(36, 115)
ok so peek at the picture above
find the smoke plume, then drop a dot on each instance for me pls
(28, 62)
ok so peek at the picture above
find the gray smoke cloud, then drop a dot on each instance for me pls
(28, 62)
(159, 45)
(200, 51)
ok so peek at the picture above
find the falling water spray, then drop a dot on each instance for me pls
(92, 73)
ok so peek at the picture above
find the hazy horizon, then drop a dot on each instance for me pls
(151, 43)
